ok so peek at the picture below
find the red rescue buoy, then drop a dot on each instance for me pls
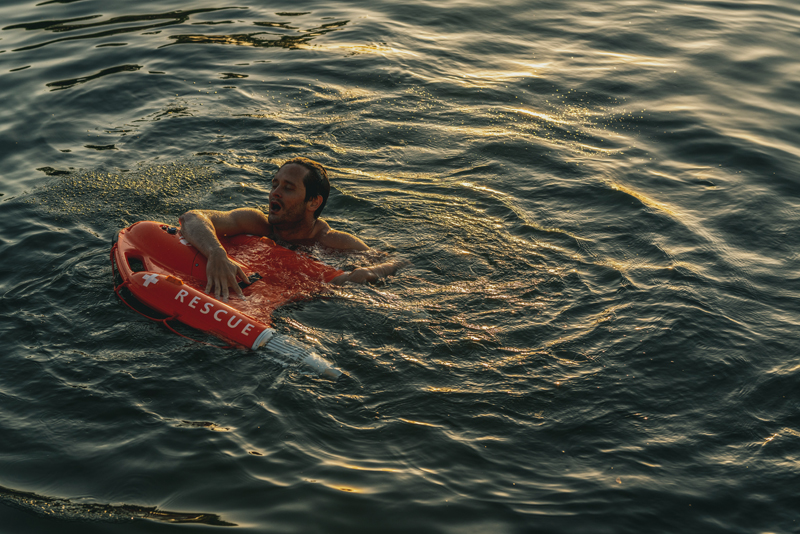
(164, 272)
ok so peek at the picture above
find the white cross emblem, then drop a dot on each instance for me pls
(151, 278)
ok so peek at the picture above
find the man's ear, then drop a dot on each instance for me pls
(314, 203)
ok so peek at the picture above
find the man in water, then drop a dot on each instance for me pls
(299, 192)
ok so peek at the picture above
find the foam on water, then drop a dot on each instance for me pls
(124, 196)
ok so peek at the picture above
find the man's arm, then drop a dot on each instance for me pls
(371, 274)
(339, 240)
(361, 275)
(200, 228)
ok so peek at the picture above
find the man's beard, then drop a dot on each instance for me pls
(286, 216)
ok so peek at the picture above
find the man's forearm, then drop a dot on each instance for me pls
(386, 269)
(372, 274)
(198, 230)
(222, 273)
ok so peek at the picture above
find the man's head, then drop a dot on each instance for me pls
(315, 181)
(299, 191)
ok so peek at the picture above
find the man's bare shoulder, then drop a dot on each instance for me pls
(331, 238)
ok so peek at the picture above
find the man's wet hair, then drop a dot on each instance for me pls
(315, 181)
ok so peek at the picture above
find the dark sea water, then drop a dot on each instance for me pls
(600, 330)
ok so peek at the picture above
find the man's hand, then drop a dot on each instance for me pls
(223, 273)
(372, 274)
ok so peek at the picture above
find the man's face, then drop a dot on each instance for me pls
(287, 197)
